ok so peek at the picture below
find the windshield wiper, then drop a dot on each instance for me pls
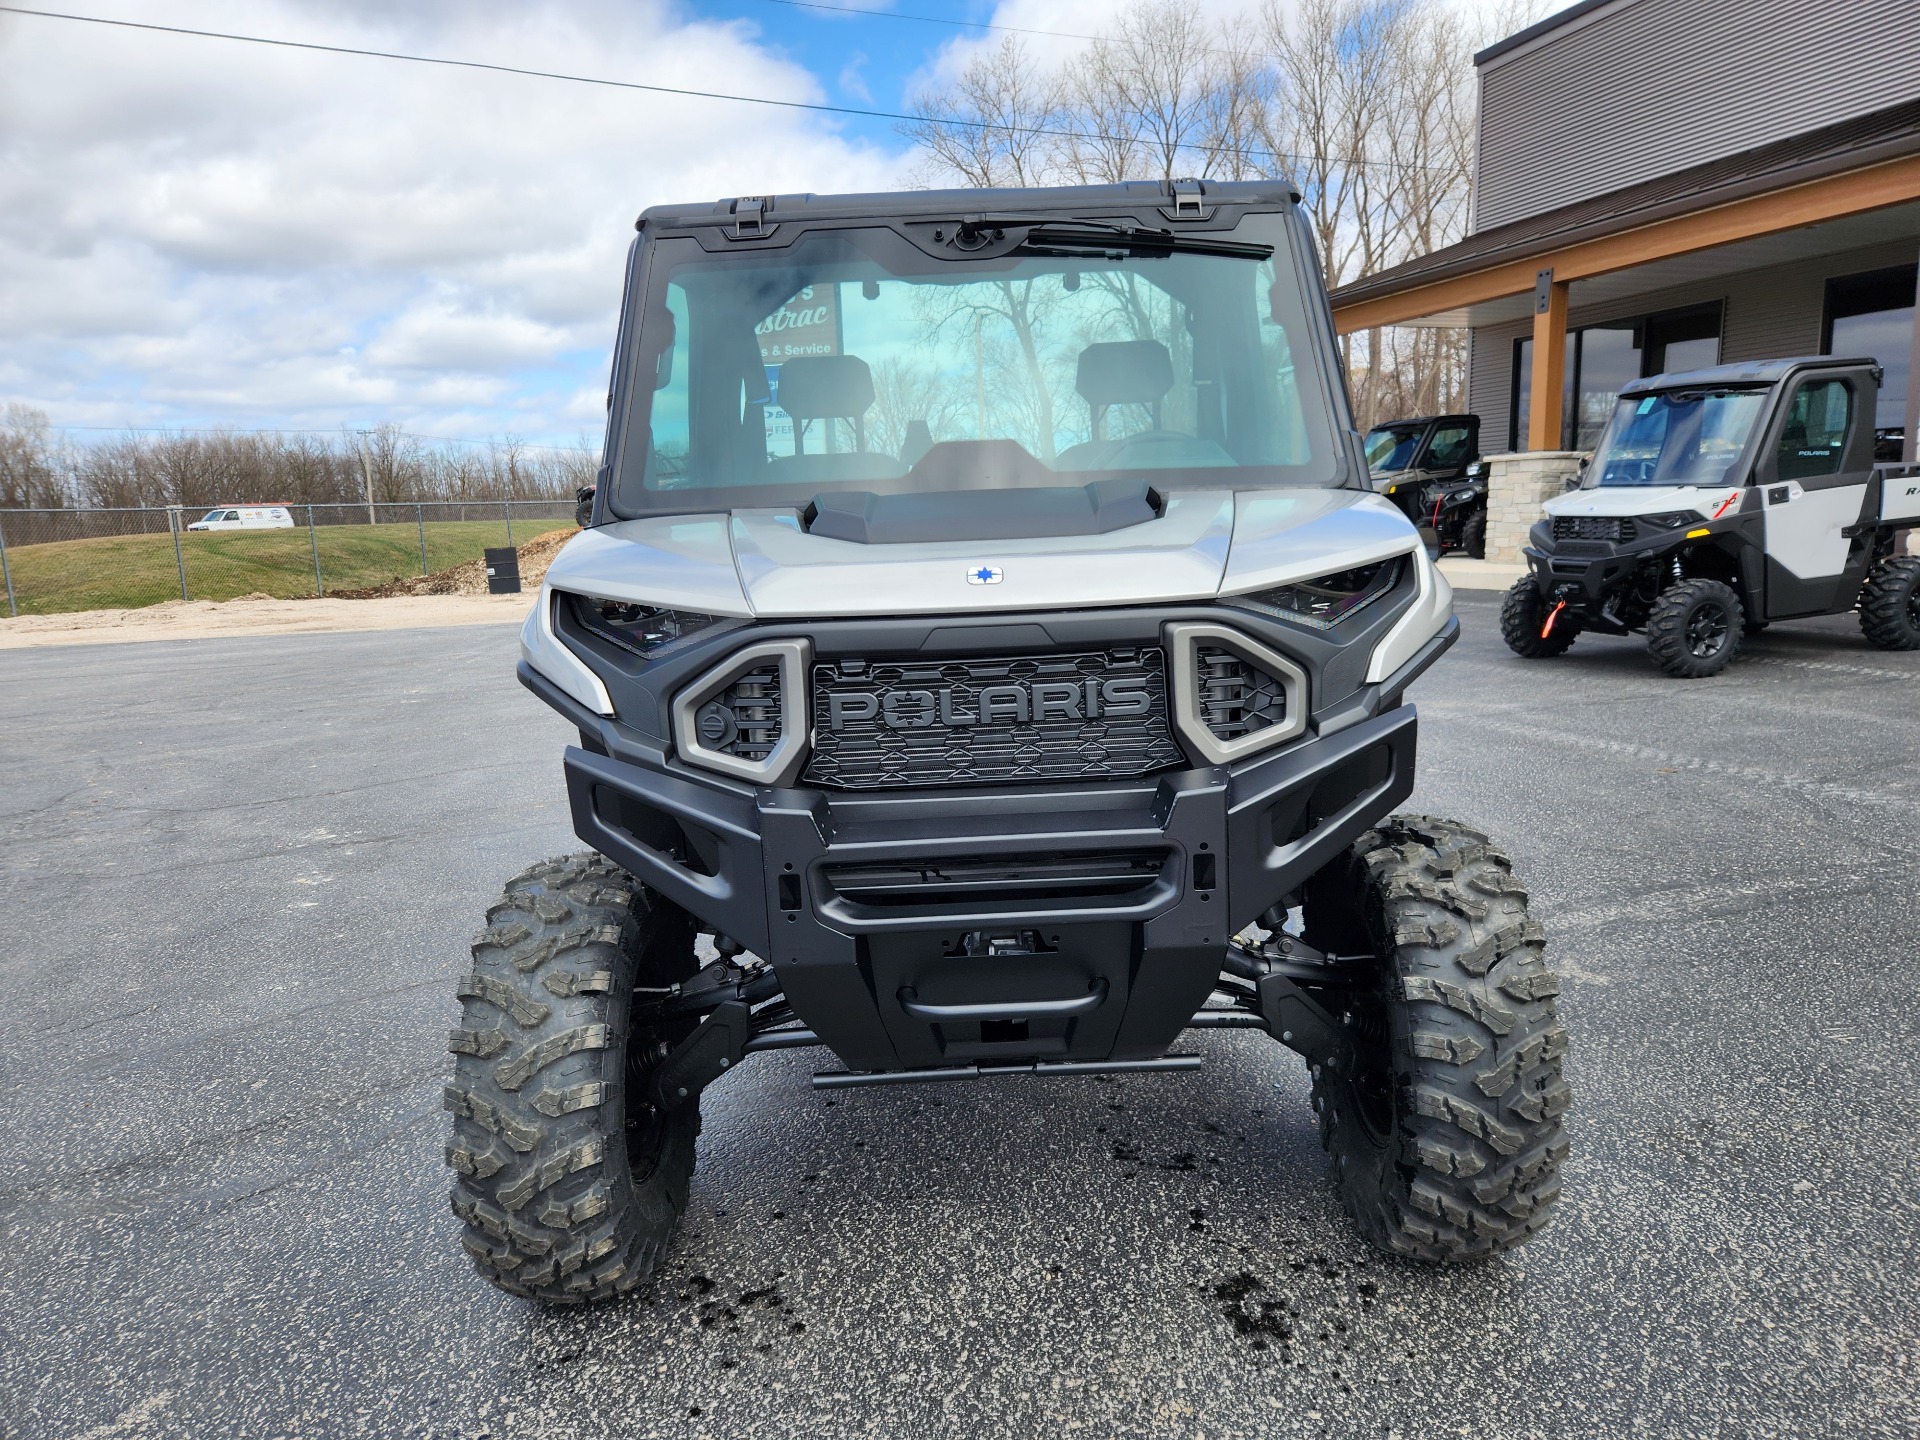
(1118, 242)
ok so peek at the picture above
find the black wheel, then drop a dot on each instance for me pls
(1523, 618)
(1694, 628)
(570, 1183)
(1473, 535)
(1890, 604)
(1447, 1139)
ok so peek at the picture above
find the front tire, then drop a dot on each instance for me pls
(1694, 628)
(1890, 604)
(1473, 536)
(569, 1183)
(1523, 615)
(1447, 1141)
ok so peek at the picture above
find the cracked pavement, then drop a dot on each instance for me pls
(241, 873)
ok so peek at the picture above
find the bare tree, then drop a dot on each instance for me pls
(237, 468)
(32, 467)
(1367, 106)
(994, 126)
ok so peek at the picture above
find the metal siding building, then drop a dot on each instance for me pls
(1672, 180)
(1605, 96)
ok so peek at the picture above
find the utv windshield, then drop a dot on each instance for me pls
(853, 360)
(1391, 447)
(1675, 437)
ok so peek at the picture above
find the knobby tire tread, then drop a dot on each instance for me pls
(1470, 1163)
(1886, 600)
(1667, 628)
(1523, 612)
(557, 1206)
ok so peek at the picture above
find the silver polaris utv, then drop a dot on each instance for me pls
(987, 634)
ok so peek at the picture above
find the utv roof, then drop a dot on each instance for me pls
(1750, 372)
(1177, 199)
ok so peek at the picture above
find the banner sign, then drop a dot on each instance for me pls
(808, 324)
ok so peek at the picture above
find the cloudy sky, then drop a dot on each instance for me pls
(202, 232)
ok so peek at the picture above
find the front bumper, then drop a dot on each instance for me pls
(1583, 581)
(894, 920)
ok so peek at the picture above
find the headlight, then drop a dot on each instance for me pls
(1325, 602)
(645, 630)
(1673, 519)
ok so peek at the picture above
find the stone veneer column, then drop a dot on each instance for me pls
(1517, 485)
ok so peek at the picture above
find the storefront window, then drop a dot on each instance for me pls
(1602, 358)
(1523, 389)
(1872, 315)
(1608, 359)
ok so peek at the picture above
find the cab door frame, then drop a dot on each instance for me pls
(1810, 555)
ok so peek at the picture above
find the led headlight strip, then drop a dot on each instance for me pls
(1324, 602)
(640, 630)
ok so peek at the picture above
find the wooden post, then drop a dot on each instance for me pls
(366, 475)
(1549, 361)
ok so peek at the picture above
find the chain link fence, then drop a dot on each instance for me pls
(61, 560)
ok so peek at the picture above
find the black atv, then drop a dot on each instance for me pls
(1431, 468)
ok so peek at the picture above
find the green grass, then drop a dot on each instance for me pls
(128, 571)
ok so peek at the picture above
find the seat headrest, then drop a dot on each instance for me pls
(826, 387)
(1124, 372)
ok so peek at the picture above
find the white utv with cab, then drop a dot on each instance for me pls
(1717, 502)
(988, 635)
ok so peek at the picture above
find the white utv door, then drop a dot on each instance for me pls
(1812, 492)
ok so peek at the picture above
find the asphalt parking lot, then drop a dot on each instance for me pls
(240, 875)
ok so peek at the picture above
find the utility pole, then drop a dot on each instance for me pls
(366, 473)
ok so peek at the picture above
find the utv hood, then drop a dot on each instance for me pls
(763, 564)
(1616, 500)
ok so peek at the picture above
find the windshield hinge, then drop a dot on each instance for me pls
(1186, 199)
(750, 217)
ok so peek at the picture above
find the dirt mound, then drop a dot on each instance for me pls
(469, 578)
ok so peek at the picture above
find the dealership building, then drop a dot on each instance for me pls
(1666, 184)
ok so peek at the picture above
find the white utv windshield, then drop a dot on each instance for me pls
(1675, 437)
(852, 360)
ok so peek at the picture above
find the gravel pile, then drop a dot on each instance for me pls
(470, 577)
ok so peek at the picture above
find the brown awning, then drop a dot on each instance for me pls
(1844, 168)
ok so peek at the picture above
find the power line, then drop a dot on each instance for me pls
(977, 25)
(814, 106)
(930, 19)
(237, 430)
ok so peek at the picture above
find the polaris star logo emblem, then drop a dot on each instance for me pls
(986, 575)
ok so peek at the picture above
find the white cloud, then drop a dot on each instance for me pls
(196, 230)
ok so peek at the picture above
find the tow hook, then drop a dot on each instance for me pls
(1552, 615)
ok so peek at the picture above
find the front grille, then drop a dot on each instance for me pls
(931, 883)
(927, 721)
(744, 719)
(1235, 698)
(1617, 529)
